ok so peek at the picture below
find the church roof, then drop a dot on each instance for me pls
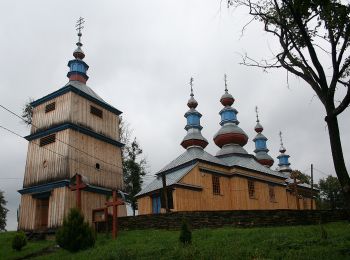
(249, 163)
(82, 90)
(191, 154)
(171, 178)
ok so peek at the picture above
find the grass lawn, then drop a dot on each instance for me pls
(295, 242)
(6, 251)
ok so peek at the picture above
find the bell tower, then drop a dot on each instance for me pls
(74, 131)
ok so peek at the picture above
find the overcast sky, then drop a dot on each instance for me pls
(141, 56)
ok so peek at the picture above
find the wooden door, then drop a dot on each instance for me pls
(156, 204)
(43, 213)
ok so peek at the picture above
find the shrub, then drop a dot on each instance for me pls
(19, 241)
(75, 234)
(185, 234)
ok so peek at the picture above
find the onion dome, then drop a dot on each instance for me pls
(77, 67)
(230, 138)
(261, 150)
(194, 136)
(283, 159)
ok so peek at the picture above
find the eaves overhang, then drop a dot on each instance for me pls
(73, 89)
(75, 127)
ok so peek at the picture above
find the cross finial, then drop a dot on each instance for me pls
(225, 80)
(79, 26)
(257, 114)
(191, 84)
(280, 134)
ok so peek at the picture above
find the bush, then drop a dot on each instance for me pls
(19, 241)
(185, 234)
(75, 234)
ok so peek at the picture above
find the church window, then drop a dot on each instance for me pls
(272, 194)
(50, 107)
(251, 189)
(216, 184)
(47, 140)
(97, 166)
(96, 111)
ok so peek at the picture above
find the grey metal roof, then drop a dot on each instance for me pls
(192, 153)
(305, 185)
(230, 128)
(87, 90)
(171, 178)
(194, 133)
(231, 148)
(249, 163)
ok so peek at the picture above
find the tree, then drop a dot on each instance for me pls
(75, 234)
(307, 31)
(303, 177)
(331, 193)
(134, 169)
(3, 211)
(27, 112)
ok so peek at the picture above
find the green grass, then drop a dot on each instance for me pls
(6, 251)
(296, 242)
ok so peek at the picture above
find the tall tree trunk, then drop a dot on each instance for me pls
(338, 157)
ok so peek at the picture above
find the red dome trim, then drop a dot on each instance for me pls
(194, 142)
(230, 138)
(227, 101)
(77, 77)
(266, 162)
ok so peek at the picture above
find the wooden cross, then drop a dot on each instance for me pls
(79, 186)
(114, 203)
(294, 175)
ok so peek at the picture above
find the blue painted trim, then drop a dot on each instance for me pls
(47, 187)
(75, 127)
(44, 187)
(68, 88)
(78, 61)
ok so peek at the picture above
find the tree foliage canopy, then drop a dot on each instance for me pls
(3, 211)
(313, 38)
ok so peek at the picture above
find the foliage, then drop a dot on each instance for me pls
(313, 44)
(331, 194)
(185, 234)
(289, 242)
(303, 177)
(134, 169)
(19, 241)
(75, 234)
(3, 211)
(27, 112)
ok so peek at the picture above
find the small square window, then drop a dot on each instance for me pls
(98, 166)
(47, 140)
(216, 184)
(96, 111)
(50, 107)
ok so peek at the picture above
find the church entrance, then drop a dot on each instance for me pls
(42, 213)
(156, 204)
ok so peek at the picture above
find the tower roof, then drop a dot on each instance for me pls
(284, 164)
(230, 138)
(194, 136)
(261, 150)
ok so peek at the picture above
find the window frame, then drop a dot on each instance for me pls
(216, 184)
(272, 193)
(96, 111)
(251, 189)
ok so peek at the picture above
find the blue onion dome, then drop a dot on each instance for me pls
(193, 127)
(230, 137)
(261, 151)
(283, 158)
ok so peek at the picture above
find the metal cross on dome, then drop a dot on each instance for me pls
(225, 79)
(191, 84)
(257, 113)
(79, 26)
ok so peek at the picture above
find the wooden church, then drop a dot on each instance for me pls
(233, 179)
(74, 133)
